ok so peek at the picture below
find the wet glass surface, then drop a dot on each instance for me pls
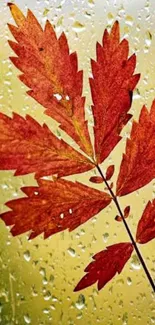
(38, 276)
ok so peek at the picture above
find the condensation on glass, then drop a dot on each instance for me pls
(38, 276)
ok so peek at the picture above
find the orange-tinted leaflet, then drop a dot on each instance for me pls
(28, 147)
(54, 206)
(51, 73)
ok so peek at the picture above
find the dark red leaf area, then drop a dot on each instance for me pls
(111, 87)
(110, 172)
(138, 163)
(53, 207)
(96, 179)
(146, 225)
(126, 211)
(105, 265)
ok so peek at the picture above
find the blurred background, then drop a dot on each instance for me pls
(38, 277)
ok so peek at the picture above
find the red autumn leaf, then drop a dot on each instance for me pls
(51, 73)
(118, 218)
(126, 211)
(96, 179)
(53, 207)
(126, 214)
(110, 172)
(111, 87)
(105, 265)
(146, 225)
(28, 147)
(138, 164)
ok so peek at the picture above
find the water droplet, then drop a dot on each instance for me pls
(87, 14)
(71, 252)
(27, 256)
(129, 20)
(80, 303)
(47, 296)
(136, 94)
(148, 38)
(82, 232)
(125, 319)
(129, 281)
(110, 18)
(27, 319)
(57, 96)
(46, 11)
(135, 263)
(78, 27)
(54, 299)
(42, 271)
(60, 21)
(51, 279)
(79, 316)
(5, 186)
(62, 215)
(45, 281)
(46, 311)
(91, 3)
(105, 237)
(121, 303)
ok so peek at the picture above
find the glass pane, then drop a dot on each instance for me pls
(38, 276)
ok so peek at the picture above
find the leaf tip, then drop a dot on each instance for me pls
(16, 13)
(76, 289)
(116, 23)
(9, 4)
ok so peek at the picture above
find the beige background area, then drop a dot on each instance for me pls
(38, 277)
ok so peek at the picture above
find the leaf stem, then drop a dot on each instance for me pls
(128, 230)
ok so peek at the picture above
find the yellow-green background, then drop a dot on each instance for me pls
(38, 277)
